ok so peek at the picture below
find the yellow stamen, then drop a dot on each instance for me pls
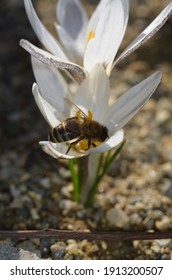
(91, 35)
(90, 115)
(78, 114)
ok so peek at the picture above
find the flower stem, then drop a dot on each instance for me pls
(100, 174)
(83, 174)
(84, 191)
(75, 179)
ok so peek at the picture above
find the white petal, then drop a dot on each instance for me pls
(96, 15)
(43, 34)
(93, 93)
(58, 150)
(52, 86)
(109, 32)
(72, 17)
(73, 50)
(73, 20)
(131, 102)
(76, 72)
(46, 109)
(112, 142)
(150, 31)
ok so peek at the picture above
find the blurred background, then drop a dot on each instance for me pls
(36, 190)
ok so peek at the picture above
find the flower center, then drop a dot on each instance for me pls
(91, 35)
(83, 145)
(79, 115)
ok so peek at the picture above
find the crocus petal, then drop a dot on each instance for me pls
(42, 33)
(76, 72)
(93, 21)
(52, 86)
(73, 50)
(58, 150)
(93, 161)
(131, 102)
(72, 17)
(112, 142)
(73, 20)
(108, 34)
(93, 93)
(150, 31)
(46, 109)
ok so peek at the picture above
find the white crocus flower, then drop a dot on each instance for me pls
(84, 43)
(92, 95)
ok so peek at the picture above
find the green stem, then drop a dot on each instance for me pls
(84, 178)
(100, 164)
(75, 179)
(99, 177)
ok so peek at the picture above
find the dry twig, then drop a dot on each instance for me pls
(77, 235)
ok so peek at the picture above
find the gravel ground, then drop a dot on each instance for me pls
(36, 190)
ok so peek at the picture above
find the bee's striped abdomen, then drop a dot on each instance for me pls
(61, 133)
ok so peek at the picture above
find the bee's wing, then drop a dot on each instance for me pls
(76, 111)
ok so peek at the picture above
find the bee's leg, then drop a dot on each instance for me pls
(74, 143)
(94, 145)
(89, 143)
(70, 146)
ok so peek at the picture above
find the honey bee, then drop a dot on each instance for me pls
(81, 131)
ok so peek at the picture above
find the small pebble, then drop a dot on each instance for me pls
(164, 224)
(117, 218)
(58, 250)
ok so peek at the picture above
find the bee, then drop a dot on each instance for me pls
(81, 131)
